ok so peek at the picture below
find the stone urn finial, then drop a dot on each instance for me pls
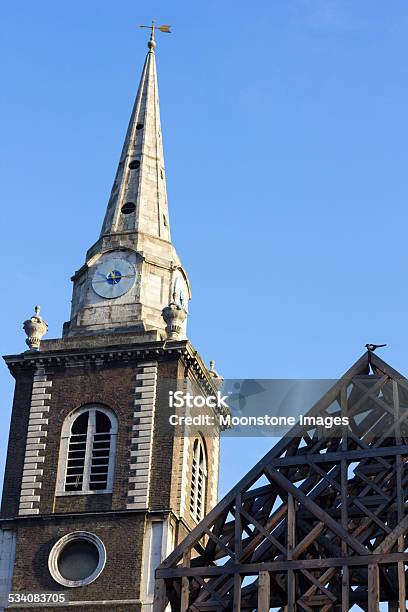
(174, 316)
(35, 328)
(212, 371)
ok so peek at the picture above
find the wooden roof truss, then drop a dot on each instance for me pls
(319, 524)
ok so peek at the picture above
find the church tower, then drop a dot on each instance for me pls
(99, 486)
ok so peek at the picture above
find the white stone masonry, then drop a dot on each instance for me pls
(30, 494)
(142, 429)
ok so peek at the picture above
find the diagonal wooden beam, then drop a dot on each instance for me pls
(325, 475)
(276, 518)
(367, 392)
(391, 431)
(319, 585)
(211, 591)
(219, 542)
(304, 606)
(307, 540)
(377, 362)
(317, 490)
(392, 537)
(217, 529)
(333, 525)
(262, 530)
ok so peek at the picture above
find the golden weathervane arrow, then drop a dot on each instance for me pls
(163, 28)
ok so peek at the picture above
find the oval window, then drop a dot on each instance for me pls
(77, 559)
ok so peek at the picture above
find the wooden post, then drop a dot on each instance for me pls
(401, 583)
(238, 528)
(237, 593)
(264, 588)
(345, 574)
(291, 544)
(185, 583)
(345, 589)
(401, 540)
(373, 589)
(185, 594)
(160, 599)
(400, 500)
(236, 606)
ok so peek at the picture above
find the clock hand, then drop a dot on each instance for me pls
(108, 277)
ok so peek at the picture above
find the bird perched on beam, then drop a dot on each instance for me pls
(371, 347)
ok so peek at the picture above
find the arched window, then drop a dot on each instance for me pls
(87, 453)
(198, 481)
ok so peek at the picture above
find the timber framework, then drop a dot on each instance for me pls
(319, 524)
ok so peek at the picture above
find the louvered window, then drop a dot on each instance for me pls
(89, 449)
(198, 481)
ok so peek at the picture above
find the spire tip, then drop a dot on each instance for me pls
(152, 43)
(163, 28)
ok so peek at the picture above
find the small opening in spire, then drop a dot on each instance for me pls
(134, 164)
(139, 126)
(128, 208)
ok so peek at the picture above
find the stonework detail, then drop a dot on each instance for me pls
(7, 556)
(212, 492)
(188, 435)
(174, 316)
(140, 184)
(183, 486)
(136, 231)
(142, 436)
(35, 445)
(35, 327)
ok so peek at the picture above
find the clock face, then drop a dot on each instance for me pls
(113, 277)
(180, 292)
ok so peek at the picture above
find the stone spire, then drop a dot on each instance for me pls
(138, 201)
(133, 271)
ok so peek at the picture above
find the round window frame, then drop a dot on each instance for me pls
(59, 547)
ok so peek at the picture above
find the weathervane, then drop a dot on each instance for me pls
(163, 28)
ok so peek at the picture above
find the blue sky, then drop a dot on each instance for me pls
(285, 133)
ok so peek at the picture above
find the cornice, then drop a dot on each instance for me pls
(75, 356)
